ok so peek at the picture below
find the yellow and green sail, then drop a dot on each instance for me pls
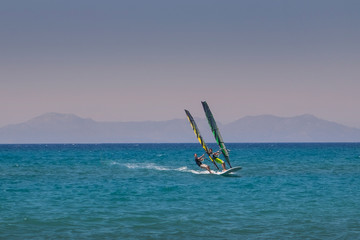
(216, 132)
(198, 135)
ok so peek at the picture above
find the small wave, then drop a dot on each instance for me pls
(161, 155)
(114, 163)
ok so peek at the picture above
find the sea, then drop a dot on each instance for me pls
(156, 191)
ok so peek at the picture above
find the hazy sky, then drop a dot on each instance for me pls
(148, 60)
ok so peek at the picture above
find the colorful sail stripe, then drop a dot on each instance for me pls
(198, 135)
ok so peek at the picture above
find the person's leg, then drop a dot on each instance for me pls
(218, 160)
(205, 167)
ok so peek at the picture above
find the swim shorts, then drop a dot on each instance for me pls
(203, 166)
(218, 160)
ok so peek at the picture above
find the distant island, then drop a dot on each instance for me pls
(69, 128)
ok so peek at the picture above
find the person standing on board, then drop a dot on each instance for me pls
(199, 161)
(215, 157)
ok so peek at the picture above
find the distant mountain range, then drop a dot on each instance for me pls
(69, 128)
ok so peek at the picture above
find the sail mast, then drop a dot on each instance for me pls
(198, 135)
(216, 132)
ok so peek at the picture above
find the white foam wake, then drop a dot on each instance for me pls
(146, 166)
(153, 166)
(185, 169)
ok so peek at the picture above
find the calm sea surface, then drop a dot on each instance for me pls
(155, 191)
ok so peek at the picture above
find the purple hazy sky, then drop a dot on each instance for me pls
(148, 60)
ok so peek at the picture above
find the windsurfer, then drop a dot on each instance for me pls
(199, 161)
(215, 157)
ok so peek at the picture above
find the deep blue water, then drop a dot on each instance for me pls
(155, 191)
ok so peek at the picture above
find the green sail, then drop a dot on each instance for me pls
(216, 132)
(198, 135)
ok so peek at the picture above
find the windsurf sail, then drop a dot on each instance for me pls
(216, 132)
(198, 135)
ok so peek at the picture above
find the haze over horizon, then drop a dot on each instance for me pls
(68, 128)
(148, 60)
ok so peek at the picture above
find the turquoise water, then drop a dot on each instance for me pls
(155, 191)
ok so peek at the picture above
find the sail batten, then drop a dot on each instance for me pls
(216, 132)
